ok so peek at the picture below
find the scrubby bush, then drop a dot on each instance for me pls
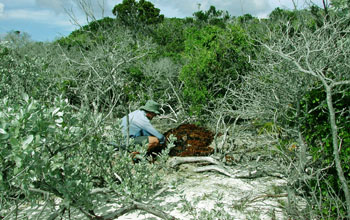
(310, 106)
(216, 58)
(137, 14)
(54, 140)
(52, 151)
(89, 35)
(24, 70)
(171, 42)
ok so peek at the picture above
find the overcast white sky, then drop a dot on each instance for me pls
(46, 20)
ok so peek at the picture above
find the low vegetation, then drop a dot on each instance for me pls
(286, 76)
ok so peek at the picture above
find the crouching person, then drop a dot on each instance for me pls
(141, 129)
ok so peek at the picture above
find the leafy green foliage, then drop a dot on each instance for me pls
(35, 152)
(171, 42)
(281, 14)
(246, 18)
(216, 57)
(19, 71)
(296, 20)
(89, 35)
(212, 17)
(136, 14)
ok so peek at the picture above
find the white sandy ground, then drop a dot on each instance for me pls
(204, 190)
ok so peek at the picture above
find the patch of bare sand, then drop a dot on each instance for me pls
(237, 198)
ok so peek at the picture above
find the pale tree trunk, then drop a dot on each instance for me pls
(334, 131)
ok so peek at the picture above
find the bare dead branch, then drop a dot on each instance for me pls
(138, 206)
(216, 168)
(175, 161)
(268, 196)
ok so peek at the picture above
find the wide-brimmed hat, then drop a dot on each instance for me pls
(151, 106)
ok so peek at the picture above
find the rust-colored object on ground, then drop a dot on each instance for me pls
(191, 140)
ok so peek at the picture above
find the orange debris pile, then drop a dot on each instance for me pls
(192, 140)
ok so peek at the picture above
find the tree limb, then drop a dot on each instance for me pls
(175, 161)
(138, 206)
(269, 196)
(216, 168)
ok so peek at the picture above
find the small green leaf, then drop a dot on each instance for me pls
(29, 140)
(55, 111)
(37, 138)
(18, 161)
(2, 131)
(59, 121)
(25, 97)
(30, 106)
(13, 141)
(4, 136)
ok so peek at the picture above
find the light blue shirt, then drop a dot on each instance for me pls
(140, 125)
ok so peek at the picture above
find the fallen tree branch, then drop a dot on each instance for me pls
(100, 190)
(133, 206)
(269, 196)
(57, 213)
(258, 174)
(157, 194)
(175, 161)
(244, 201)
(216, 168)
(138, 206)
(119, 212)
(215, 165)
(252, 175)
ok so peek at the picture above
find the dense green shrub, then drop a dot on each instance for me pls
(216, 58)
(211, 17)
(170, 37)
(136, 14)
(38, 149)
(89, 35)
(294, 22)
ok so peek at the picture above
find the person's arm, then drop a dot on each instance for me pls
(146, 125)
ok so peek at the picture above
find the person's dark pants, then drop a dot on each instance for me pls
(141, 140)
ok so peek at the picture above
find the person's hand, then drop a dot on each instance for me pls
(133, 156)
(134, 153)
